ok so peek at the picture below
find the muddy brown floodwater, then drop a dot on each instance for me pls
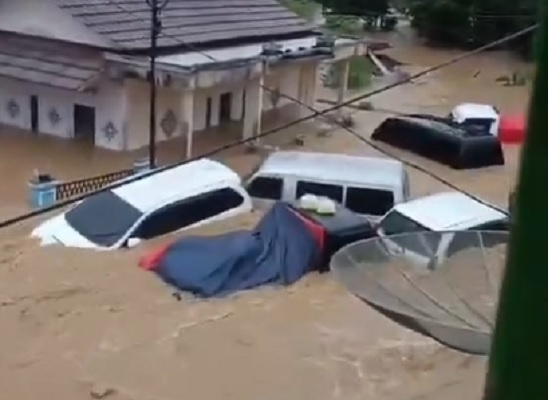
(79, 325)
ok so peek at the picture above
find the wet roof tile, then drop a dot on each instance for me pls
(47, 64)
(127, 22)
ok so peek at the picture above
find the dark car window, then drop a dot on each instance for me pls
(188, 212)
(369, 201)
(263, 187)
(103, 218)
(424, 242)
(333, 192)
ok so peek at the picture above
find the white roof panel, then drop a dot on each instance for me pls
(474, 110)
(449, 211)
(176, 183)
(334, 167)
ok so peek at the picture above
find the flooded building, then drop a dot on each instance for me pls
(77, 69)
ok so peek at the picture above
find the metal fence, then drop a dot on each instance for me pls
(78, 187)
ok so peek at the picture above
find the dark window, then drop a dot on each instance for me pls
(424, 241)
(103, 218)
(500, 225)
(333, 192)
(264, 187)
(188, 212)
(369, 201)
(478, 126)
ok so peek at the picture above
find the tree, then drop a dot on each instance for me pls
(472, 22)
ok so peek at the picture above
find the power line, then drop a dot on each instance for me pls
(316, 113)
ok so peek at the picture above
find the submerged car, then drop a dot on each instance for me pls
(446, 213)
(445, 142)
(183, 197)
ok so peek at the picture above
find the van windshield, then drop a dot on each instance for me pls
(103, 218)
(424, 242)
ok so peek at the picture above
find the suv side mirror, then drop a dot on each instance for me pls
(133, 241)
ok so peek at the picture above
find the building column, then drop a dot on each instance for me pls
(236, 107)
(187, 119)
(308, 78)
(253, 108)
(343, 67)
(312, 74)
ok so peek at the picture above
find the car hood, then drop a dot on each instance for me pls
(57, 231)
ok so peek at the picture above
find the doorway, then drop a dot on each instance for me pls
(208, 113)
(34, 114)
(84, 123)
(225, 106)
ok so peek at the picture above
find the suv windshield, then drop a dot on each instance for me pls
(103, 218)
(398, 224)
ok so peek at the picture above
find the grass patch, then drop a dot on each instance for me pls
(303, 8)
(359, 75)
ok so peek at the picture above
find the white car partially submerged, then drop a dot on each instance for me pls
(183, 197)
(445, 213)
(478, 117)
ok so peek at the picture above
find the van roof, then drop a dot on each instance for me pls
(178, 182)
(449, 211)
(474, 110)
(375, 171)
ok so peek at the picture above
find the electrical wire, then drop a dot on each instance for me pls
(316, 113)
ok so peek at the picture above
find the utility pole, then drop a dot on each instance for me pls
(156, 7)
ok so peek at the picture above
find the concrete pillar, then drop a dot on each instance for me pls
(215, 106)
(253, 108)
(308, 79)
(187, 120)
(312, 77)
(344, 71)
(237, 106)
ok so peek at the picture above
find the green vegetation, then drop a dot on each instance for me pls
(472, 23)
(359, 76)
(303, 8)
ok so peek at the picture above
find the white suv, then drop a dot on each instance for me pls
(183, 197)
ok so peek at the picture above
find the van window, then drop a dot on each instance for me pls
(369, 201)
(188, 212)
(333, 192)
(264, 187)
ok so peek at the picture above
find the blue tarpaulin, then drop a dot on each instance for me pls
(280, 250)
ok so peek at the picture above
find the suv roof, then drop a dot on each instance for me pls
(449, 211)
(176, 183)
(474, 110)
(334, 167)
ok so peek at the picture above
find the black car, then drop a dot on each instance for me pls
(441, 141)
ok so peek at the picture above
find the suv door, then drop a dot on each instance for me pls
(188, 212)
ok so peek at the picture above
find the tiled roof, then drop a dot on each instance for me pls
(127, 22)
(47, 63)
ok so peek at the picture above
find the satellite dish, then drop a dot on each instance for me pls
(441, 284)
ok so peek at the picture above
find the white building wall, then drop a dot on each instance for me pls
(45, 18)
(111, 108)
(286, 80)
(109, 103)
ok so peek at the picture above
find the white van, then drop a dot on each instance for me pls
(445, 213)
(479, 117)
(366, 185)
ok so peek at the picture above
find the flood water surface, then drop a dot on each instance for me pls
(81, 325)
